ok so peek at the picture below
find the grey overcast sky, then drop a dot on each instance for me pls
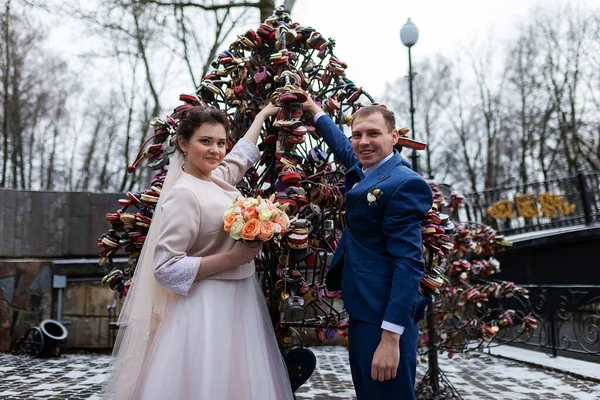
(367, 32)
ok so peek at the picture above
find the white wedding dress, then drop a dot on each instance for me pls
(206, 340)
(217, 343)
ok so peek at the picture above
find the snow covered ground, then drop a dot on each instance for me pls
(585, 369)
(481, 376)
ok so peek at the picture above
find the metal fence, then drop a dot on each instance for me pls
(569, 320)
(555, 203)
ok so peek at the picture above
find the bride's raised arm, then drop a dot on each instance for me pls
(245, 153)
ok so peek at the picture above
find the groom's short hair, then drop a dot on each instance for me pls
(388, 116)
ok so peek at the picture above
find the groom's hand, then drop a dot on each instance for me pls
(310, 106)
(386, 357)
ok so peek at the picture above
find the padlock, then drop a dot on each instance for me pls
(287, 337)
(308, 298)
(294, 310)
(330, 333)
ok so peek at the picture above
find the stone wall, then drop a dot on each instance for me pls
(52, 224)
(25, 298)
(48, 233)
(43, 234)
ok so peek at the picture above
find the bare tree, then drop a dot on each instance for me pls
(490, 89)
(565, 35)
(464, 156)
(525, 81)
(529, 111)
(223, 22)
(433, 92)
(593, 86)
(30, 99)
(6, 67)
(129, 101)
(142, 37)
(265, 7)
(88, 167)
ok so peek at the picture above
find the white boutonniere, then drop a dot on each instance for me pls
(374, 195)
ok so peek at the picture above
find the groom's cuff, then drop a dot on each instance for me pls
(388, 326)
(318, 115)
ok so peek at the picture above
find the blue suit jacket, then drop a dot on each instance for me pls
(378, 262)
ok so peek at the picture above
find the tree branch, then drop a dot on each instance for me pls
(205, 7)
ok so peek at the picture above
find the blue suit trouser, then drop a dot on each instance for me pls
(363, 339)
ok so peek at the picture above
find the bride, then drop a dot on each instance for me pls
(195, 323)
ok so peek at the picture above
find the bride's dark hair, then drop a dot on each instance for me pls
(195, 117)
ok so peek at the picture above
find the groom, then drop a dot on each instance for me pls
(378, 262)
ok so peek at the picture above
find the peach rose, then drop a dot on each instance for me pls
(249, 213)
(239, 202)
(266, 231)
(251, 229)
(228, 221)
(281, 221)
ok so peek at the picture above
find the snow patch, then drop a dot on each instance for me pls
(94, 379)
(75, 374)
(580, 367)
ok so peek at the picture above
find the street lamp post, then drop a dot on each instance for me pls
(409, 34)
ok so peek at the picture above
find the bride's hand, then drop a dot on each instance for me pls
(270, 109)
(244, 252)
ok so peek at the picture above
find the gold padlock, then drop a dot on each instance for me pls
(308, 298)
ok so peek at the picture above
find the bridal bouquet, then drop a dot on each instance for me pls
(255, 219)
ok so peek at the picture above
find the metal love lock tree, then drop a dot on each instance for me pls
(282, 62)
(468, 309)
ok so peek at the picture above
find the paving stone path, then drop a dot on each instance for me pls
(80, 376)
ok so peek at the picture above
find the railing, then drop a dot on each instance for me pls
(555, 203)
(569, 320)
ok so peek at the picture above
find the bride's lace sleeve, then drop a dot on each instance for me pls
(235, 164)
(179, 228)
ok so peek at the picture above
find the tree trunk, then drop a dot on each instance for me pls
(32, 143)
(266, 8)
(16, 126)
(128, 132)
(105, 173)
(5, 102)
(139, 34)
(56, 132)
(87, 164)
(72, 163)
(136, 174)
(428, 149)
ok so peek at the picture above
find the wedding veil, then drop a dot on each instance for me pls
(143, 307)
